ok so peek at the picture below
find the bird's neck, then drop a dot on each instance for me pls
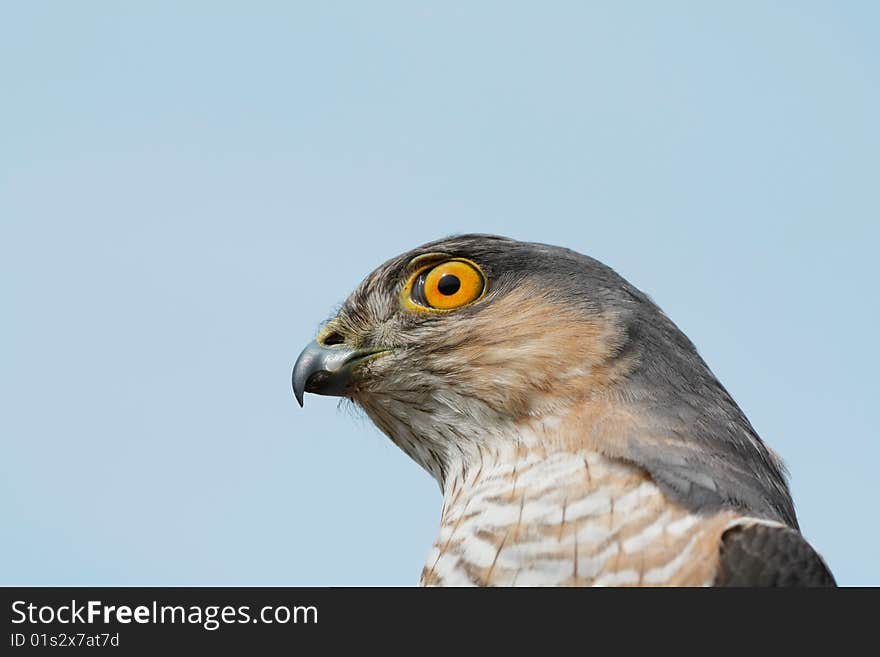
(533, 461)
(522, 515)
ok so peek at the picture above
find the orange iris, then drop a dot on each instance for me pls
(449, 285)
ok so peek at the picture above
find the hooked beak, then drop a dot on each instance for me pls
(327, 370)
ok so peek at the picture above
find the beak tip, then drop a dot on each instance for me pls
(298, 389)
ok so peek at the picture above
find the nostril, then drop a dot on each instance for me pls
(331, 338)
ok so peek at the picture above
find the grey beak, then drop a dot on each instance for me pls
(326, 370)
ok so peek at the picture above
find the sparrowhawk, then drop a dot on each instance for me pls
(575, 432)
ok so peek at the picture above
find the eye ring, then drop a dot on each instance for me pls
(445, 286)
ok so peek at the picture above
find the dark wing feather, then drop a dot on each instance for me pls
(768, 555)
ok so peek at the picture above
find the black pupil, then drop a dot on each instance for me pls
(448, 284)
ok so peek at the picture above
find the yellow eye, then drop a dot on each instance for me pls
(447, 286)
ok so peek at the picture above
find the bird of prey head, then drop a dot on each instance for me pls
(478, 352)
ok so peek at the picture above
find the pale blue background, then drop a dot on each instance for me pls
(185, 194)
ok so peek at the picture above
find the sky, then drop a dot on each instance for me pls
(187, 192)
